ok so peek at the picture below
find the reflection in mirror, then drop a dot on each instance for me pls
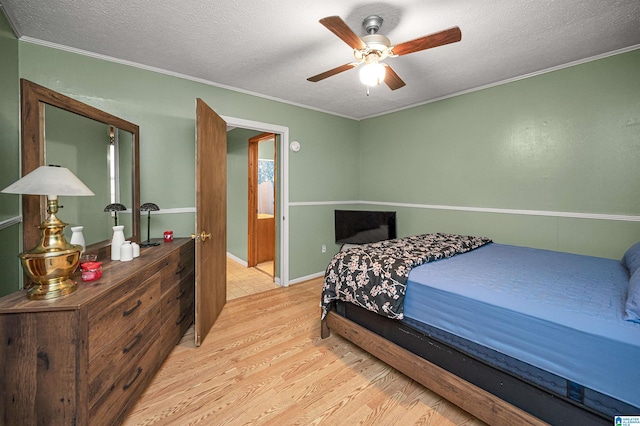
(97, 153)
(121, 148)
(101, 149)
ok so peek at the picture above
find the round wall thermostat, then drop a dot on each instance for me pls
(295, 146)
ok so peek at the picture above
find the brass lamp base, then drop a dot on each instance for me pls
(49, 264)
(51, 290)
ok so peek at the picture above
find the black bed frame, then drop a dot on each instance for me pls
(412, 351)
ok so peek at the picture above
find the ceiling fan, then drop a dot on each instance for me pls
(373, 48)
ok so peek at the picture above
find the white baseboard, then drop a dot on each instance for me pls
(237, 259)
(306, 278)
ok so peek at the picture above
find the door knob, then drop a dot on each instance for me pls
(201, 236)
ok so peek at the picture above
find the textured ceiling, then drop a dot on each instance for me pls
(270, 47)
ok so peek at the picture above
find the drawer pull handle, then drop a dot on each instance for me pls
(184, 314)
(135, 342)
(182, 292)
(128, 385)
(130, 311)
(181, 267)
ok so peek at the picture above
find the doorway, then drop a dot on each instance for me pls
(262, 182)
(237, 249)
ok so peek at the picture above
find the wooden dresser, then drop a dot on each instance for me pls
(84, 358)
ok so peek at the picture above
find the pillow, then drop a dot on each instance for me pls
(632, 307)
(631, 258)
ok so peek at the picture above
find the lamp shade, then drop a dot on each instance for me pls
(372, 73)
(51, 181)
(115, 207)
(149, 207)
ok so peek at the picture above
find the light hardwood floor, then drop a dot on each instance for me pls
(264, 363)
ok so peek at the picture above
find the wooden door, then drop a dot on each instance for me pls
(211, 218)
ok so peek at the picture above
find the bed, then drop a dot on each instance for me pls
(513, 335)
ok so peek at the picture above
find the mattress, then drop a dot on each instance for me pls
(559, 312)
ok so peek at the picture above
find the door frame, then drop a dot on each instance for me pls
(282, 188)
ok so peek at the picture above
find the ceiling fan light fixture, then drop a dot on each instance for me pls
(372, 48)
(372, 74)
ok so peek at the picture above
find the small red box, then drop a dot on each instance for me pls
(168, 236)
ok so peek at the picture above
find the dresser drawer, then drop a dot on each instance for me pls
(108, 364)
(180, 264)
(122, 314)
(177, 310)
(127, 386)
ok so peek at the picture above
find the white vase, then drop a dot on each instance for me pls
(116, 241)
(126, 251)
(136, 249)
(77, 237)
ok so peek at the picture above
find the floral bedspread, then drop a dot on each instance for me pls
(374, 276)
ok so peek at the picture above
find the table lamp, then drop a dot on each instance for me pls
(50, 263)
(149, 207)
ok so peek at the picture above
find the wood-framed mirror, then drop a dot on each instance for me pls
(102, 151)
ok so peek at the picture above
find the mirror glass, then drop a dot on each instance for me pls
(101, 156)
(100, 148)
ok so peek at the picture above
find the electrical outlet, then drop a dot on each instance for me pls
(324, 248)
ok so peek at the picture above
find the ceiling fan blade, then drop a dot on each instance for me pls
(334, 71)
(441, 38)
(336, 25)
(392, 79)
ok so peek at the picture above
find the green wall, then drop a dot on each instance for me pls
(567, 141)
(265, 150)
(10, 228)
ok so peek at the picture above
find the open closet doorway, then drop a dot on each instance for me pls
(261, 225)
